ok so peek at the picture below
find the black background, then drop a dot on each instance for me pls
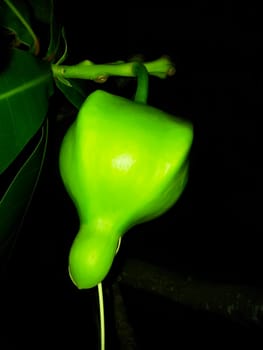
(214, 230)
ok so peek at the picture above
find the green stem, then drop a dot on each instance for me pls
(142, 82)
(160, 68)
(90, 71)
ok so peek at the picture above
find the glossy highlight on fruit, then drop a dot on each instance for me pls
(122, 163)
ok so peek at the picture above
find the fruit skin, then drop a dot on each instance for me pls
(122, 163)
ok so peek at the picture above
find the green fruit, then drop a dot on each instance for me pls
(122, 163)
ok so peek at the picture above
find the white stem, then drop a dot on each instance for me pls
(102, 320)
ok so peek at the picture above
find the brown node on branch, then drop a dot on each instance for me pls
(101, 79)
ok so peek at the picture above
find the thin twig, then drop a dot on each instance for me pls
(239, 303)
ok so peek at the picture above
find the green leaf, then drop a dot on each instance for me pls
(25, 88)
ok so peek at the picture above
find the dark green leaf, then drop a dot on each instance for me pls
(76, 93)
(42, 10)
(25, 88)
(45, 11)
(11, 21)
(17, 197)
